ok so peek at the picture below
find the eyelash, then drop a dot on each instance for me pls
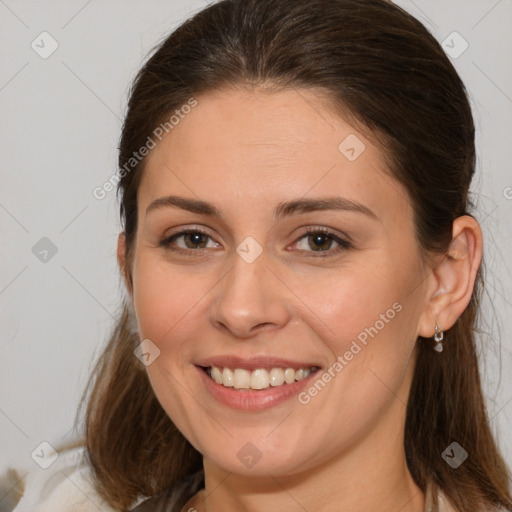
(343, 244)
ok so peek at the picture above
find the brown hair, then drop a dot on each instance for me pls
(382, 66)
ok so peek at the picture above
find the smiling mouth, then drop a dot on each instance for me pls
(261, 378)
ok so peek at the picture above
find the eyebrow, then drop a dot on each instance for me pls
(283, 209)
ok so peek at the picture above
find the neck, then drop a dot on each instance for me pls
(371, 476)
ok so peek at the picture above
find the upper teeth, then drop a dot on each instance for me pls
(257, 379)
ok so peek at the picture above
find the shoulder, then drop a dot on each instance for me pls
(174, 498)
(61, 484)
(444, 505)
(65, 483)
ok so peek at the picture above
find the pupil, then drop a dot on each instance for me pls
(195, 239)
(321, 241)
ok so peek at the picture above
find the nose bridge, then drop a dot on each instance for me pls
(250, 296)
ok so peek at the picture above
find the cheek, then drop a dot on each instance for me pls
(345, 302)
(365, 315)
(352, 302)
(166, 298)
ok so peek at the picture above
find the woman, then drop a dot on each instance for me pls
(302, 273)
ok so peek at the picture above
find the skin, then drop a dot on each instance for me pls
(246, 151)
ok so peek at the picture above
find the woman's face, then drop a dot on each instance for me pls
(299, 252)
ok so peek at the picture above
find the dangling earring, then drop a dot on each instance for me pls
(438, 338)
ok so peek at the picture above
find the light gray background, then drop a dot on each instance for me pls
(60, 125)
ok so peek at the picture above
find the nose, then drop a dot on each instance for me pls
(250, 299)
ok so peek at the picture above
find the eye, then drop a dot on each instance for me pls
(321, 240)
(189, 240)
(316, 242)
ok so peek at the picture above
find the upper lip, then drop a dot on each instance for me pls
(252, 363)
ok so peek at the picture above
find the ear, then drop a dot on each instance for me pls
(453, 278)
(122, 262)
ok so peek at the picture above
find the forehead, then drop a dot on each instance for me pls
(260, 146)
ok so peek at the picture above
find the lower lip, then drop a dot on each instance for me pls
(252, 400)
